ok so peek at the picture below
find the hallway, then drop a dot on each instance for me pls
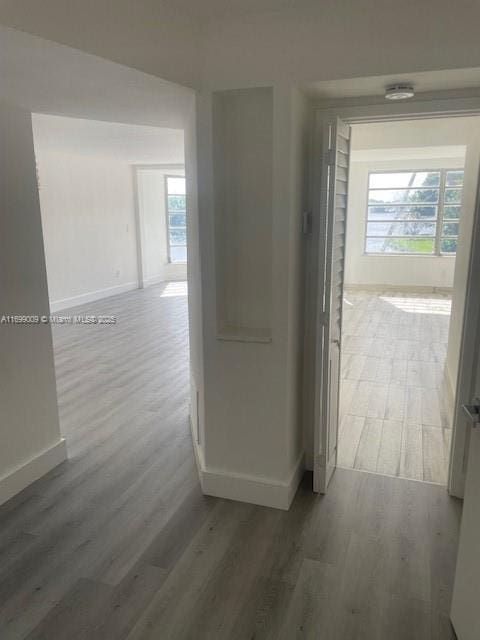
(118, 543)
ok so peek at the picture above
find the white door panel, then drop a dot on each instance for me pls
(333, 214)
(465, 611)
(465, 603)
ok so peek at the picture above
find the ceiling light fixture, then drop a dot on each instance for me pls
(399, 92)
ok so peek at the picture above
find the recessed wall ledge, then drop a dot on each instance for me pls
(244, 334)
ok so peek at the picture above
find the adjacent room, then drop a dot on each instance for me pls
(402, 314)
(112, 198)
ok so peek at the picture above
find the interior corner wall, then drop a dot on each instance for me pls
(88, 220)
(31, 443)
(152, 213)
(300, 122)
(390, 271)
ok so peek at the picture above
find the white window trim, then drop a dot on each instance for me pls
(440, 219)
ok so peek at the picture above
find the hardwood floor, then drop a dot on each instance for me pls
(394, 414)
(118, 543)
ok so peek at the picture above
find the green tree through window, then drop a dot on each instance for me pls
(414, 212)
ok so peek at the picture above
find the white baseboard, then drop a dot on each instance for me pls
(26, 473)
(411, 288)
(91, 296)
(248, 488)
(154, 280)
(164, 278)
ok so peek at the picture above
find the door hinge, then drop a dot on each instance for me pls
(306, 222)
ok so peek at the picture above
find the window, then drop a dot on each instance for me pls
(414, 212)
(176, 218)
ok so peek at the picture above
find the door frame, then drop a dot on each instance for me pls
(332, 131)
(437, 106)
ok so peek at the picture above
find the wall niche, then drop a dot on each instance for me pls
(243, 166)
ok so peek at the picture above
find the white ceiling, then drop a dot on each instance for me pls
(424, 82)
(409, 153)
(131, 144)
(15, 11)
(431, 133)
(227, 8)
(46, 77)
(168, 38)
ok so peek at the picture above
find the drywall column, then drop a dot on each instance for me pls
(31, 443)
(249, 203)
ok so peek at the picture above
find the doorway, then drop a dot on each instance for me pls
(399, 363)
(386, 384)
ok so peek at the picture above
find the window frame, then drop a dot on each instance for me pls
(439, 220)
(167, 218)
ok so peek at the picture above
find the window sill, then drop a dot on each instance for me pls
(407, 255)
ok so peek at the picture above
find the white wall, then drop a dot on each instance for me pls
(29, 430)
(152, 225)
(298, 205)
(390, 271)
(88, 226)
(88, 200)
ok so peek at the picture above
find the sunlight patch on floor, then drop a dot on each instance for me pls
(434, 306)
(173, 289)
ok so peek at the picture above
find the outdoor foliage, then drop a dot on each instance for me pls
(404, 209)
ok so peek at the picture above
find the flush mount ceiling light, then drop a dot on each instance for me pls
(399, 92)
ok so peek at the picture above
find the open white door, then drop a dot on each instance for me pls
(465, 612)
(333, 214)
(465, 607)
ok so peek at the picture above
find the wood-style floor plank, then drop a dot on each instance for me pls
(393, 359)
